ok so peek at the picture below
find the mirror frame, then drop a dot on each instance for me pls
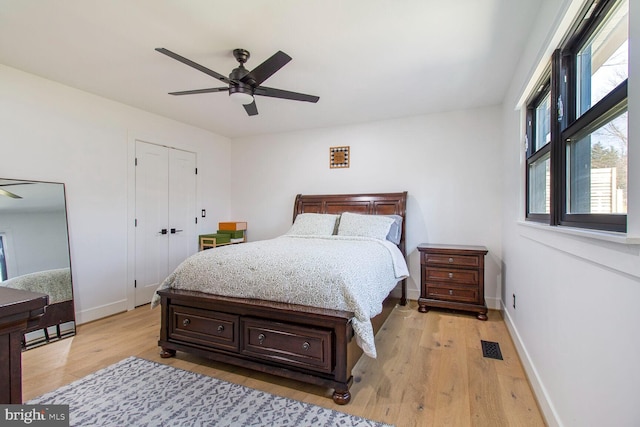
(58, 321)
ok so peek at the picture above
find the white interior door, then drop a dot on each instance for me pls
(182, 206)
(165, 215)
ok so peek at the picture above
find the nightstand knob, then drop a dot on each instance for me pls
(450, 291)
(306, 345)
(186, 322)
(261, 338)
(450, 260)
(220, 328)
(450, 275)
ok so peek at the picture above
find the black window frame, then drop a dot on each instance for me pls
(565, 125)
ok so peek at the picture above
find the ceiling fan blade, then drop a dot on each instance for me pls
(197, 91)
(9, 194)
(251, 109)
(265, 70)
(193, 64)
(285, 94)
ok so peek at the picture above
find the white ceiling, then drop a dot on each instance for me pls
(367, 60)
(34, 196)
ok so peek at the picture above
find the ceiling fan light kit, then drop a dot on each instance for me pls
(240, 95)
(243, 84)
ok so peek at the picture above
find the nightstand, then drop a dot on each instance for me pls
(452, 276)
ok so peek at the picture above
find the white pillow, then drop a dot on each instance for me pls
(375, 226)
(313, 224)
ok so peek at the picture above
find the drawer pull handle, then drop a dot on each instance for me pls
(450, 275)
(450, 291)
(306, 345)
(186, 322)
(220, 328)
(450, 260)
(261, 338)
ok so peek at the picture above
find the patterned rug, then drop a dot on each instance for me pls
(138, 392)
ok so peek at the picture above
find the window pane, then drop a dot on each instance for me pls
(539, 186)
(543, 123)
(3, 262)
(597, 170)
(603, 63)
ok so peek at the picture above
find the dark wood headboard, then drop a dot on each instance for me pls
(370, 204)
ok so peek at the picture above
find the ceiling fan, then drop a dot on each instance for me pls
(7, 193)
(243, 84)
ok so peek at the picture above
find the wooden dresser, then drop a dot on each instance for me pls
(452, 276)
(18, 310)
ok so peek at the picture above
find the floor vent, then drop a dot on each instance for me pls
(491, 350)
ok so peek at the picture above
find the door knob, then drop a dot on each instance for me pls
(174, 231)
(163, 231)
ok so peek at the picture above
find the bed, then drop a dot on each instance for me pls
(313, 344)
(57, 284)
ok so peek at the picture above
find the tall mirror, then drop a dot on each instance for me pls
(34, 253)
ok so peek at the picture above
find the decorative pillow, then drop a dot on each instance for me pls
(395, 231)
(375, 226)
(312, 224)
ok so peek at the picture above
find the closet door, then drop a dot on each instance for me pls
(165, 214)
(182, 207)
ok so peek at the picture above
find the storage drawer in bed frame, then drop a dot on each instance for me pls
(208, 328)
(286, 343)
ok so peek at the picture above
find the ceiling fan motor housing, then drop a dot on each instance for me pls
(237, 85)
(240, 88)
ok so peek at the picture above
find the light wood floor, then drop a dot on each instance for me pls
(429, 372)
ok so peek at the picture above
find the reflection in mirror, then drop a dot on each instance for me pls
(34, 253)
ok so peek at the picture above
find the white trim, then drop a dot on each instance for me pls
(617, 256)
(493, 303)
(544, 401)
(101, 312)
(12, 266)
(565, 17)
(131, 216)
(605, 236)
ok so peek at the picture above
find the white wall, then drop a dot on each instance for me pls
(38, 241)
(449, 163)
(50, 132)
(576, 320)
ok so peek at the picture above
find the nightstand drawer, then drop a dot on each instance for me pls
(456, 260)
(452, 275)
(452, 294)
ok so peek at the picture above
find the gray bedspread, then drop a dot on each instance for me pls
(345, 273)
(56, 283)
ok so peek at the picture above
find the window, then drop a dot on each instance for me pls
(577, 154)
(539, 153)
(3, 262)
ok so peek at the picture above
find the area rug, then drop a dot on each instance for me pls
(139, 392)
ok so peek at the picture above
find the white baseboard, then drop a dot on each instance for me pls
(100, 312)
(493, 303)
(544, 402)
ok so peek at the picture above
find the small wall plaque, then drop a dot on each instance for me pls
(339, 157)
